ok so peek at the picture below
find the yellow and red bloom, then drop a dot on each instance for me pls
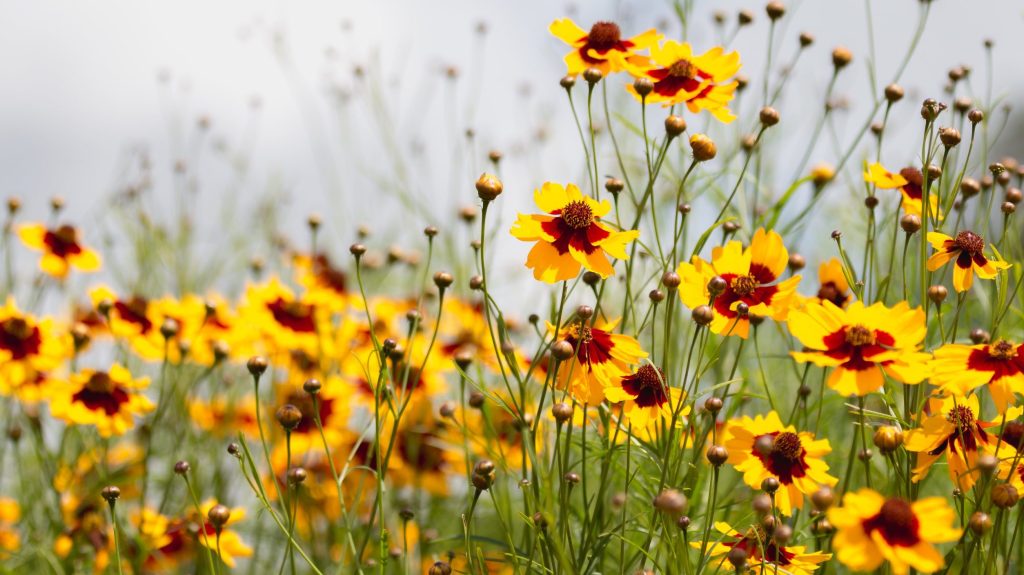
(603, 47)
(86, 525)
(909, 182)
(764, 555)
(872, 530)
(834, 286)
(959, 369)
(127, 318)
(647, 395)
(109, 400)
(602, 357)
(222, 416)
(62, 249)
(750, 275)
(30, 348)
(10, 539)
(570, 235)
(861, 343)
(701, 82)
(952, 426)
(967, 250)
(762, 447)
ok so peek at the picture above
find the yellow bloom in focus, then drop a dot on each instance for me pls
(62, 249)
(109, 400)
(602, 47)
(959, 369)
(10, 515)
(861, 343)
(751, 275)
(647, 395)
(701, 82)
(952, 426)
(570, 235)
(764, 555)
(872, 530)
(763, 447)
(909, 182)
(232, 547)
(967, 250)
(602, 358)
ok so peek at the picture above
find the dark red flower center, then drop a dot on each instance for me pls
(969, 242)
(63, 241)
(19, 338)
(328, 275)
(896, 522)
(293, 315)
(962, 417)
(787, 446)
(759, 546)
(1013, 434)
(647, 386)
(830, 292)
(914, 182)
(604, 35)
(785, 458)
(859, 335)
(578, 215)
(101, 393)
(134, 311)
(591, 345)
(743, 285)
(1003, 350)
(682, 69)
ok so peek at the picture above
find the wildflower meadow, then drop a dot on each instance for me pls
(684, 360)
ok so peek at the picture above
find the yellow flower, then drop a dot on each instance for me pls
(602, 357)
(909, 182)
(834, 287)
(224, 417)
(232, 547)
(570, 235)
(763, 447)
(968, 251)
(959, 369)
(701, 82)
(647, 395)
(764, 556)
(30, 349)
(602, 48)
(109, 400)
(62, 249)
(860, 343)
(872, 529)
(10, 515)
(751, 276)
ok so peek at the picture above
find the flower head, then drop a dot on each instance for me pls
(679, 76)
(570, 235)
(909, 182)
(860, 343)
(873, 530)
(959, 369)
(764, 555)
(968, 251)
(762, 447)
(62, 249)
(751, 275)
(109, 400)
(601, 359)
(833, 284)
(646, 393)
(603, 47)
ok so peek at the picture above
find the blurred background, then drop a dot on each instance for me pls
(360, 110)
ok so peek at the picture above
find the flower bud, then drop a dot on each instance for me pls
(979, 335)
(567, 82)
(796, 262)
(562, 350)
(702, 315)
(488, 187)
(289, 416)
(296, 475)
(888, 439)
(703, 147)
(976, 116)
(182, 467)
(910, 223)
(823, 498)
(769, 116)
(1004, 495)
(841, 57)
(111, 493)
(592, 75)
(949, 136)
(770, 485)
(775, 10)
(893, 93)
(671, 502)
(643, 86)
(218, 516)
(614, 185)
(937, 294)
(443, 279)
(562, 412)
(670, 280)
(717, 455)
(806, 39)
(980, 522)
(674, 125)
(257, 365)
(713, 405)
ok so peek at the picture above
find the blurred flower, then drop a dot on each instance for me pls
(10, 516)
(860, 343)
(749, 274)
(570, 235)
(602, 48)
(908, 181)
(62, 249)
(231, 547)
(959, 369)
(85, 525)
(108, 400)
(764, 555)
(30, 348)
(762, 447)
(873, 530)
(701, 82)
(601, 359)
(967, 249)
(222, 416)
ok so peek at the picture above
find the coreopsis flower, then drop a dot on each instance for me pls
(762, 447)
(332, 405)
(647, 396)
(967, 250)
(223, 417)
(751, 277)
(570, 235)
(231, 546)
(62, 249)
(872, 530)
(10, 515)
(861, 343)
(324, 283)
(764, 555)
(834, 286)
(951, 426)
(464, 330)
(127, 318)
(284, 322)
(109, 400)
(701, 82)
(909, 182)
(959, 369)
(86, 525)
(603, 47)
(30, 348)
(601, 358)
(422, 458)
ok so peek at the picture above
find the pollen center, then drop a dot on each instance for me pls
(578, 215)
(787, 445)
(682, 69)
(604, 35)
(969, 242)
(1002, 350)
(859, 335)
(896, 521)
(100, 382)
(962, 417)
(743, 285)
(67, 234)
(16, 327)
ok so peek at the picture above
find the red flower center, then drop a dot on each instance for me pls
(102, 393)
(604, 35)
(63, 241)
(682, 69)
(578, 215)
(896, 523)
(1013, 434)
(962, 417)
(969, 242)
(1002, 350)
(647, 386)
(859, 335)
(19, 338)
(134, 311)
(293, 315)
(743, 285)
(787, 446)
